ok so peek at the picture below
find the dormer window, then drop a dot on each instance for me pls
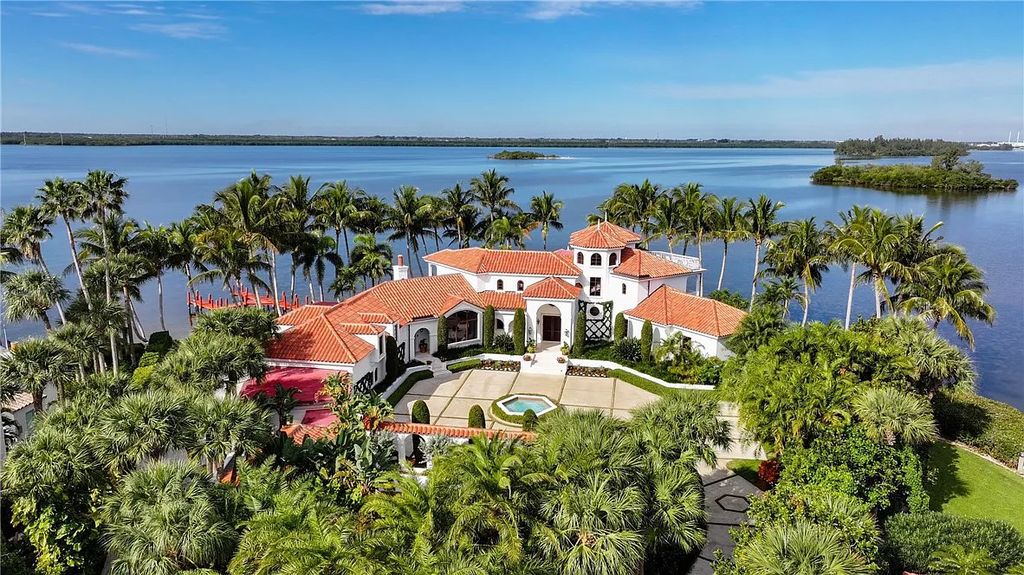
(579, 258)
(613, 259)
(595, 260)
(501, 285)
(519, 285)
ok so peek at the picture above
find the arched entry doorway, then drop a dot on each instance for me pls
(421, 340)
(549, 323)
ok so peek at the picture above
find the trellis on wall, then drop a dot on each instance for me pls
(598, 327)
(401, 352)
(364, 384)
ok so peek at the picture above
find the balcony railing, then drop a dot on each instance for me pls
(685, 261)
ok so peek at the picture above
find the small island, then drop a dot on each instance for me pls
(882, 147)
(947, 173)
(522, 155)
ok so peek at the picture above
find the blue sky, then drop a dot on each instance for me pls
(576, 69)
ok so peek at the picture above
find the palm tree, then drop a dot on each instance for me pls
(26, 228)
(730, 227)
(345, 281)
(847, 244)
(668, 220)
(948, 287)
(79, 341)
(875, 249)
(313, 255)
(371, 259)
(460, 214)
(891, 415)
(141, 428)
(801, 252)
(801, 548)
(35, 363)
(780, 293)
(761, 221)
(507, 232)
(156, 249)
(227, 256)
(30, 294)
(336, 207)
(66, 199)
(165, 519)
(207, 361)
(701, 209)
(103, 196)
(492, 191)
(182, 252)
(410, 220)
(221, 426)
(545, 210)
(631, 205)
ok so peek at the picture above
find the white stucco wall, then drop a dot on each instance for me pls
(707, 345)
(536, 308)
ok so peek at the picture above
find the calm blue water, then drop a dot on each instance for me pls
(166, 182)
(520, 405)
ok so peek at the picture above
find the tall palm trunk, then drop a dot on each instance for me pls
(419, 262)
(160, 298)
(721, 274)
(807, 303)
(134, 323)
(321, 286)
(46, 321)
(753, 282)
(348, 252)
(60, 308)
(849, 295)
(273, 281)
(109, 294)
(878, 295)
(77, 262)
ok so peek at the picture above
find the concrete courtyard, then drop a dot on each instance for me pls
(451, 397)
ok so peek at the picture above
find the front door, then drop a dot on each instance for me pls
(551, 328)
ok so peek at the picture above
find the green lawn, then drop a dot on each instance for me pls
(747, 469)
(968, 485)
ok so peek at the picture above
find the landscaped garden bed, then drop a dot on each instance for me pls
(584, 371)
(499, 365)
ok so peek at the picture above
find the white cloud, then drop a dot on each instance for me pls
(184, 30)
(50, 14)
(555, 9)
(966, 75)
(103, 50)
(412, 8)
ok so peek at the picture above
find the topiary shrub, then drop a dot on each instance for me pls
(442, 334)
(488, 335)
(912, 538)
(519, 332)
(476, 417)
(503, 342)
(529, 420)
(579, 334)
(646, 341)
(628, 349)
(619, 331)
(420, 412)
(392, 363)
(160, 342)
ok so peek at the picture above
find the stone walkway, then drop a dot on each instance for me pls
(726, 499)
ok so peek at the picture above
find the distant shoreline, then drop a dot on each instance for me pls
(93, 139)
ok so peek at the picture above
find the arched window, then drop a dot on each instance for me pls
(462, 326)
(519, 285)
(499, 325)
(623, 289)
(501, 285)
(579, 258)
(613, 259)
(595, 260)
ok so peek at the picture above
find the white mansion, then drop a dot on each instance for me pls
(602, 273)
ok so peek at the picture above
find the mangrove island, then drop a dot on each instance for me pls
(947, 173)
(522, 155)
(882, 147)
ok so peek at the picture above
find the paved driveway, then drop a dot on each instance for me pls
(450, 398)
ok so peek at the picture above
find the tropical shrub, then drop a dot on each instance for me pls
(730, 297)
(488, 334)
(646, 341)
(519, 331)
(476, 417)
(579, 334)
(420, 412)
(464, 365)
(500, 365)
(160, 342)
(799, 548)
(845, 460)
(992, 427)
(912, 539)
(708, 371)
(756, 328)
(628, 349)
(442, 334)
(529, 420)
(392, 363)
(620, 328)
(503, 343)
(251, 322)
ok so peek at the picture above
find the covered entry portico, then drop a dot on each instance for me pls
(550, 321)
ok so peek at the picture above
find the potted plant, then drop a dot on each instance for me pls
(565, 349)
(561, 359)
(531, 347)
(527, 357)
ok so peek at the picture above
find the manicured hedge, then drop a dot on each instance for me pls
(913, 537)
(464, 365)
(990, 426)
(420, 412)
(653, 387)
(476, 417)
(410, 381)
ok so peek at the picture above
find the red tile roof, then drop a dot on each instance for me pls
(603, 235)
(552, 288)
(318, 340)
(642, 264)
(409, 299)
(667, 306)
(20, 400)
(501, 299)
(303, 313)
(306, 381)
(522, 262)
(298, 432)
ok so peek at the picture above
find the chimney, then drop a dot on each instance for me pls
(400, 271)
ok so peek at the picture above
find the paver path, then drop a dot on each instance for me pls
(726, 499)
